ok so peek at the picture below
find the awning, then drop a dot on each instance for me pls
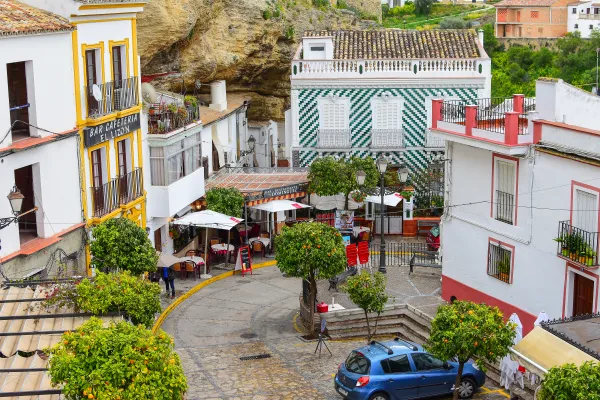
(277, 198)
(209, 219)
(540, 350)
(389, 200)
(280, 205)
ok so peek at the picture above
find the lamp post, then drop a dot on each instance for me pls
(251, 145)
(382, 165)
(15, 198)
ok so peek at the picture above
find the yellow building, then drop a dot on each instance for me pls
(108, 105)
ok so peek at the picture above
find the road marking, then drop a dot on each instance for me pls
(295, 324)
(486, 390)
(501, 392)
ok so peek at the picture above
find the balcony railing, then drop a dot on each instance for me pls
(453, 111)
(577, 245)
(432, 142)
(386, 138)
(121, 190)
(111, 97)
(333, 139)
(163, 119)
(505, 207)
(490, 120)
(589, 16)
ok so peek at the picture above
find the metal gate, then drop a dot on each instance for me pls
(396, 253)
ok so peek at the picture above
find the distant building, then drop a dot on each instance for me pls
(521, 221)
(584, 17)
(366, 93)
(531, 18)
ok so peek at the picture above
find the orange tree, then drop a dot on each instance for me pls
(569, 382)
(119, 362)
(465, 330)
(368, 292)
(311, 251)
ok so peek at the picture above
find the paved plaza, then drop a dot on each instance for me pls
(256, 315)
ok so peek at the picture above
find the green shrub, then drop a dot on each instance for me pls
(407, 9)
(267, 14)
(321, 3)
(454, 23)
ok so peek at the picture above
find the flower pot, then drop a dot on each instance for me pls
(565, 252)
(582, 259)
(589, 261)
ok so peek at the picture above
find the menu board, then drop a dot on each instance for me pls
(344, 220)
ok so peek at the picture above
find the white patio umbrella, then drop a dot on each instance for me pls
(389, 200)
(166, 260)
(279, 205)
(331, 202)
(209, 219)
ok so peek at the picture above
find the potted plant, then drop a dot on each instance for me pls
(358, 196)
(191, 101)
(590, 255)
(503, 268)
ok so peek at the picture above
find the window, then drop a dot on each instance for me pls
(317, 48)
(585, 214)
(426, 362)
(387, 113)
(18, 101)
(576, 26)
(396, 365)
(175, 161)
(574, 11)
(587, 10)
(98, 177)
(535, 14)
(505, 189)
(334, 113)
(357, 363)
(92, 73)
(500, 262)
(118, 65)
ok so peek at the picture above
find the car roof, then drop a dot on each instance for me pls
(379, 350)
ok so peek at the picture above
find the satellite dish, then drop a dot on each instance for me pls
(149, 93)
(96, 92)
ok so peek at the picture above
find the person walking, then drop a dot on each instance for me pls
(168, 275)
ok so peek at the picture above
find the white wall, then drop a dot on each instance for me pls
(579, 18)
(57, 191)
(166, 201)
(561, 102)
(51, 59)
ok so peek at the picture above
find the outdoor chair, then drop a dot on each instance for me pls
(264, 235)
(177, 268)
(214, 241)
(254, 232)
(258, 246)
(190, 267)
(364, 237)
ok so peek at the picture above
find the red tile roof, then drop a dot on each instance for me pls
(525, 3)
(249, 183)
(21, 19)
(31, 142)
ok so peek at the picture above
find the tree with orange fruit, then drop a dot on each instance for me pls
(312, 251)
(118, 362)
(464, 330)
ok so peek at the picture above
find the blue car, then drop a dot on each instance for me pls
(401, 370)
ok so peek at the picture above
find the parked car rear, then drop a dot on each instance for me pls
(433, 238)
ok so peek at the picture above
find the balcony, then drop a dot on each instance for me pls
(111, 97)
(164, 119)
(167, 200)
(577, 245)
(333, 139)
(386, 138)
(589, 16)
(498, 123)
(432, 142)
(119, 191)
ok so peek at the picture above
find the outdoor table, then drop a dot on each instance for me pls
(265, 241)
(222, 248)
(198, 261)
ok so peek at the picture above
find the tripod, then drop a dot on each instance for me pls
(321, 341)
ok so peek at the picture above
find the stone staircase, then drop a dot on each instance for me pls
(406, 322)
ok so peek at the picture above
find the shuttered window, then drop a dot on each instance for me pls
(506, 177)
(585, 215)
(387, 115)
(334, 115)
(505, 196)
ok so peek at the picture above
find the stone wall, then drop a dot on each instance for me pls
(533, 43)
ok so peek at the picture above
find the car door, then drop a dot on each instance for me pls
(401, 381)
(434, 378)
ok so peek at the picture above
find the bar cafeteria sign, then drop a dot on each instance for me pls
(281, 191)
(110, 130)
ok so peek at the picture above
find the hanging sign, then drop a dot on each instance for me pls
(244, 262)
(111, 129)
(281, 191)
(344, 220)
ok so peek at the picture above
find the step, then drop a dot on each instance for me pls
(383, 321)
(493, 375)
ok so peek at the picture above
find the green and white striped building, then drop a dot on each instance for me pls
(369, 92)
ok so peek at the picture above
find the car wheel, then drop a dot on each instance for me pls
(379, 396)
(466, 389)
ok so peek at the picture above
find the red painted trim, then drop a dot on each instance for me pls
(537, 131)
(512, 255)
(570, 127)
(470, 119)
(483, 139)
(588, 187)
(511, 128)
(594, 276)
(451, 287)
(494, 155)
(518, 103)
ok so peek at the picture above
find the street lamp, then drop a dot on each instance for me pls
(15, 198)
(251, 143)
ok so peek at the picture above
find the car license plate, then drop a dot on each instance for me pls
(342, 391)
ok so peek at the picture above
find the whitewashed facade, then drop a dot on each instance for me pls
(583, 17)
(512, 187)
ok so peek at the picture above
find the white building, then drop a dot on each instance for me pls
(584, 17)
(39, 142)
(187, 142)
(266, 134)
(513, 185)
(366, 93)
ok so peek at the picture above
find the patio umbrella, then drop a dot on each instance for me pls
(166, 260)
(279, 205)
(209, 219)
(389, 200)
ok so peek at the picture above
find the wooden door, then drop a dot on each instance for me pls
(91, 80)
(17, 98)
(123, 177)
(158, 240)
(583, 295)
(97, 183)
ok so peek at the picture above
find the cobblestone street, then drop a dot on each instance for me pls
(249, 316)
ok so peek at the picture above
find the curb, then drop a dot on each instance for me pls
(161, 318)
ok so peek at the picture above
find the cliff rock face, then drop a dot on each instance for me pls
(248, 43)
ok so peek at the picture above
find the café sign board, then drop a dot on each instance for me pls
(281, 191)
(94, 135)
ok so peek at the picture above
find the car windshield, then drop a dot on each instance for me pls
(358, 363)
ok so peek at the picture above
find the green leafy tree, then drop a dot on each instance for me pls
(569, 382)
(228, 201)
(423, 7)
(329, 177)
(119, 244)
(119, 362)
(310, 251)
(454, 23)
(134, 296)
(465, 330)
(368, 292)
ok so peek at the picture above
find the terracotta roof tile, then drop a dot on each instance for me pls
(20, 19)
(234, 101)
(401, 44)
(525, 3)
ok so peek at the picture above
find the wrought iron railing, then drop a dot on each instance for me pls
(453, 111)
(433, 142)
(499, 262)
(105, 198)
(396, 253)
(496, 104)
(386, 138)
(578, 245)
(490, 120)
(130, 186)
(523, 124)
(529, 104)
(112, 96)
(333, 138)
(164, 119)
(505, 207)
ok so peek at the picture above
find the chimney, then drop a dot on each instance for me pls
(480, 36)
(218, 96)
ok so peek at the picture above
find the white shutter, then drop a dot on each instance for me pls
(387, 115)
(585, 214)
(506, 177)
(334, 115)
(328, 115)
